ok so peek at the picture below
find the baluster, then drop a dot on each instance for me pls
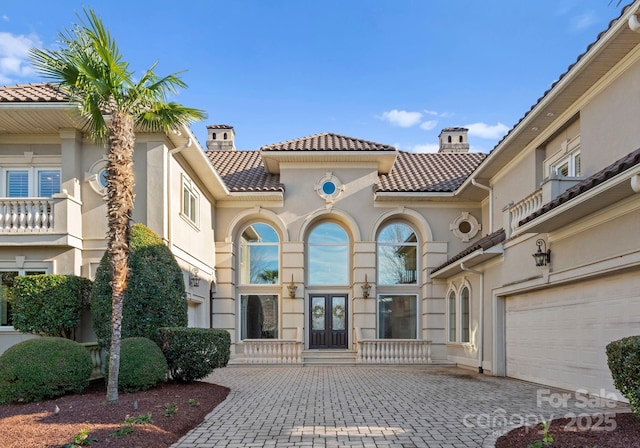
(37, 215)
(28, 206)
(3, 207)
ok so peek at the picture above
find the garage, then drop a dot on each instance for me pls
(557, 337)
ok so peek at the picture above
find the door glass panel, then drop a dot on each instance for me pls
(317, 313)
(339, 313)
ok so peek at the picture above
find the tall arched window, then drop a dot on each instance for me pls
(465, 315)
(397, 255)
(328, 255)
(259, 255)
(452, 316)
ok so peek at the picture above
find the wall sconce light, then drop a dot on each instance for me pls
(366, 288)
(194, 279)
(542, 257)
(292, 287)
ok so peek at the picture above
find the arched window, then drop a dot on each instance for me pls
(213, 136)
(328, 255)
(452, 316)
(224, 136)
(465, 315)
(259, 255)
(449, 139)
(460, 139)
(397, 255)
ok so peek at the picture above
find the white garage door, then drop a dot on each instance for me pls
(558, 336)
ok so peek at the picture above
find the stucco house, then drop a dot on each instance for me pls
(523, 262)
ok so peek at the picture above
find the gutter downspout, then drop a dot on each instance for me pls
(490, 190)
(481, 319)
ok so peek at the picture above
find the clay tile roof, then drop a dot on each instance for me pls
(219, 126)
(429, 172)
(244, 171)
(327, 142)
(486, 242)
(598, 178)
(43, 92)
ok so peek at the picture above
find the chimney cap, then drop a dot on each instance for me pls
(454, 129)
(219, 126)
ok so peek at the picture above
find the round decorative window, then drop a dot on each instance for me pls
(465, 227)
(329, 187)
(97, 177)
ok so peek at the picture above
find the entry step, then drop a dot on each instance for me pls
(328, 357)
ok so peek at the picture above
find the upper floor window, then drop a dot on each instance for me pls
(259, 255)
(568, 166)
(328, 255)
(397, 255)
(190, 200)
(30, 182)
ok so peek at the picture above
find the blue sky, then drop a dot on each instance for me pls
(394, 72)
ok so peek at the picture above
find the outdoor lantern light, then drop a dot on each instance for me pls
(542, 257)
(292, 288)
(194, 279)
(366, 288)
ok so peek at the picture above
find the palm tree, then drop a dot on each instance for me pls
(89, 68)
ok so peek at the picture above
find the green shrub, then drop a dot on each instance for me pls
(623, 357)
(43, 368)
(49, 304)
(193, 353)
(155, 296)
(142, 365)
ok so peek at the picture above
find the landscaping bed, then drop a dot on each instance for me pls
(174, 408)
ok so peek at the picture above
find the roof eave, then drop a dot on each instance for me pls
(383, 196)
(475, 258)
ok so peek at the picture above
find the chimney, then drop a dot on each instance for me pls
(220, 137)
(454, 140)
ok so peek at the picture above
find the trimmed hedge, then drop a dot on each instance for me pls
(623, 357)
(142, 365)
(38, 369)
(193, 353)
(49, 304)
(155, 296)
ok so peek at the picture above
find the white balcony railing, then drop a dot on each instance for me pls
(394, 351)
(26, 214)
(272, 351)
(524, 208)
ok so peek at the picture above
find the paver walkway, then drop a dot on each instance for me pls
(374, 407)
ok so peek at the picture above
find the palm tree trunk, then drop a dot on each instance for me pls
(120, 184)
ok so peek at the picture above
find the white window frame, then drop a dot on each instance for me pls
(21, 271)
(260, 293)
(192, 213)
(459, 318)
(414, 244)
(417, 316)
(568, 154)
(572, 163)
(244, 258)
(32, 178)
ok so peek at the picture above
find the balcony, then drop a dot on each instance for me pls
(520, 210)
(41, 221)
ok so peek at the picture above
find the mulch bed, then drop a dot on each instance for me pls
(621, 430)
(175, 409)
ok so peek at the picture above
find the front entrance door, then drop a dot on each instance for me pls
(328, 321)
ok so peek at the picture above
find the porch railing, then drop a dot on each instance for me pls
(96, 358)
(26, 214)
(524, 208)
(394, 351)
(272, 351)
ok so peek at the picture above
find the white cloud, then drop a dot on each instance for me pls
(484, 130)
(428, 125)
(583, 21)
(435, 113)
(5, 17)
(14, 56)
(431, 112)
(401, 118)
(429, 147)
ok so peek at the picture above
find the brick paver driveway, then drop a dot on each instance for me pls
(374, 407)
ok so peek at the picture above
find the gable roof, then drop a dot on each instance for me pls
(327, 142)
(429, 172)
(43, 92)
(243, 171)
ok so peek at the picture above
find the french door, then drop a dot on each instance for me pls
(328, 321)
